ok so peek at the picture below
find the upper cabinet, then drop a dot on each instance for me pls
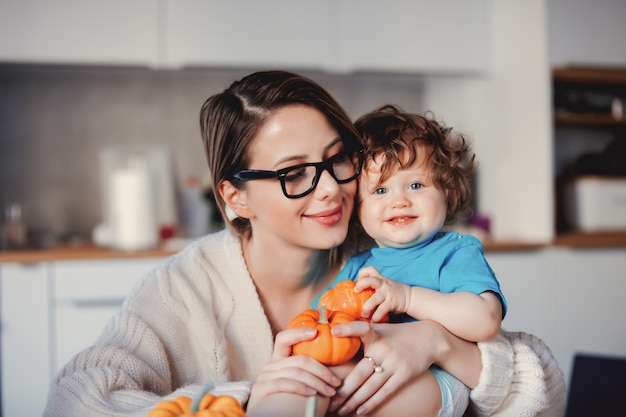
(349, 35)
(114, 32)
(241, 33)
(411, 36)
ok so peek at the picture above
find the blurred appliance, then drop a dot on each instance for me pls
(13, 231)
(596, 203)
(138, 197)
(597, 386)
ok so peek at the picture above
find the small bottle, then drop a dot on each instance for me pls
(196, 211)
(617, 108)
(15, 233)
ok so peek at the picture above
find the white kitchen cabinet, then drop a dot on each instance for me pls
(349, 35)
(241, 33)
(590, 306)
(80, 32)
(411, 36)
(50, 312)
(84, 297)
(573, 299)
(521, 275)
(25, 346)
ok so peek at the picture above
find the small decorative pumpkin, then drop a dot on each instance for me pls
(210, 406)
(326, 348)
(342, 297)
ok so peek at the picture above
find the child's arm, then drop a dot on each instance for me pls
(467, 315)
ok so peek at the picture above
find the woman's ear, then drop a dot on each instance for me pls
(235, 199)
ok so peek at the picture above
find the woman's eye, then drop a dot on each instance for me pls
(296, 174)
(380, 191)
(340, 158)
(415, 186)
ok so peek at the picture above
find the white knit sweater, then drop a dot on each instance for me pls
(520, 378)
(197, 319)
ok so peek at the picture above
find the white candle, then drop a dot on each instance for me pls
(133, 219)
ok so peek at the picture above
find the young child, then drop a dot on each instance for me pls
(415, 178)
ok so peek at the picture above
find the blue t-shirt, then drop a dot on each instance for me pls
(449, 262)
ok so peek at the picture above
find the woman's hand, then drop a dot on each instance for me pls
(399, 353)
(298, 374)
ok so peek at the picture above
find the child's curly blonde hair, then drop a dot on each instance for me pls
(392, 133)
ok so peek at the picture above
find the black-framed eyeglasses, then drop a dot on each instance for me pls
(300, 180)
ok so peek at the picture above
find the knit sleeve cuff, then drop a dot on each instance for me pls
(496, 376)
(240, 390)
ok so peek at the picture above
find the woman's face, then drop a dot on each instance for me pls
(295, 135)
(406, 209)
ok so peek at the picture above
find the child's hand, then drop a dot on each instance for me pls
(390, 296)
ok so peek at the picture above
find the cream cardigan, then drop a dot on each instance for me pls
(197, 319)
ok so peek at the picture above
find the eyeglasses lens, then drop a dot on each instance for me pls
(301, 179)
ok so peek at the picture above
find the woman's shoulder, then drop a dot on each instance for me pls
(213, 249)
(212, 262)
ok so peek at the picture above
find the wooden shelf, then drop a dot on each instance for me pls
(570, 239)
(513, 246)
(59, 253)
(589, 75)
(588, 119)
(592, 240)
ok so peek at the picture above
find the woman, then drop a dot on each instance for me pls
(217, 311)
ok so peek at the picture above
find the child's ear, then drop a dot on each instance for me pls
(235, 199)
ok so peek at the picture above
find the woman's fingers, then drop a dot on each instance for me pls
(356, 328)
(377, 387)
(391, 362)
(302, 369)
(356, 378)
(287, 338)
(298, 374)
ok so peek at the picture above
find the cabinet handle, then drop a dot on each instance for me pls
(94, 303)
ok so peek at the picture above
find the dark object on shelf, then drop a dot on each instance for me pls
(577, 101)
(611, 162)
(589, 96)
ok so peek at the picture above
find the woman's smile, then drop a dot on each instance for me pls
(328, 217)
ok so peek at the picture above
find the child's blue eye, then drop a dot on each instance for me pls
(416, 186)
(379, 191)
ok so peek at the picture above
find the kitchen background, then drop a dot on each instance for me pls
(56, 119)
(482, 66)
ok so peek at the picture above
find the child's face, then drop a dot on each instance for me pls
(406, 209)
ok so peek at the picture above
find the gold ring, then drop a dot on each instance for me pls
(377, 368)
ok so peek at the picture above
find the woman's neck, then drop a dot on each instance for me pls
(287, 279)
(285, 269)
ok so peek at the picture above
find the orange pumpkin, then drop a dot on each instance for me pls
(210, 406)
(342, 297)
(325, 347)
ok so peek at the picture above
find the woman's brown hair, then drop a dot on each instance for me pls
(230, 120)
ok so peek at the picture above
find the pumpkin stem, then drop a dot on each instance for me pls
(323, 315)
